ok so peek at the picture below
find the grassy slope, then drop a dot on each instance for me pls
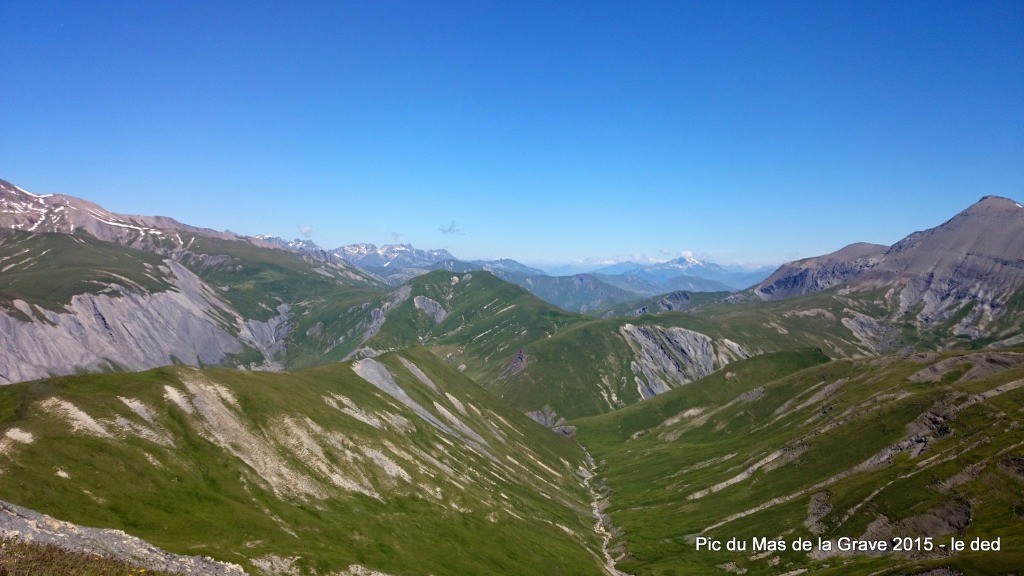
(653, 464)
(48, 269)
(811, 320)
(580, 366)
(199, 498)
(256, 277)
(327, 300)
(489, 320)
(573, 367)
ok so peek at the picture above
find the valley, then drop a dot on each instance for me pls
(282, 409)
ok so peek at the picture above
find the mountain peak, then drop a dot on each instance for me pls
(991, 200)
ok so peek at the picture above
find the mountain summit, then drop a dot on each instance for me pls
(968, 267)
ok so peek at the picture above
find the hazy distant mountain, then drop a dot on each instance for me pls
(299, 245)
(399, 263)
(503, 268)
(727, 277)
(391, 255)
(570, 269)
(579, 293)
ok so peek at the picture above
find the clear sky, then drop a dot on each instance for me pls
(752, 132)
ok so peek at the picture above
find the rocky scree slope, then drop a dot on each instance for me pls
(821, 272)
(28, 526)
(60, 315)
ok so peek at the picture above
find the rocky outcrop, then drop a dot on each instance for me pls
(431, 308)
(548, 418)
(516, 365)
(875, 336)
(24, 524)
(269, 336)
(126, 329)
(665, 358)
(819, 273)
(375, 322)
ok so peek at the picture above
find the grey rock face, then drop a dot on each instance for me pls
(376, 321)
(665, 358)
(431, 307)
(516, 365)
(268, 337)
(133, 331)
(25, 524)
(546, 417)
(968, 268)
(819, 273)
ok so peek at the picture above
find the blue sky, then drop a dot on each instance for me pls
(745, 132)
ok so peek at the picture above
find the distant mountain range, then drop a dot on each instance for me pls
(160, 378)
(727, 277)
(582, 292)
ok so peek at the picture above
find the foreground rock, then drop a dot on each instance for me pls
(24, 524)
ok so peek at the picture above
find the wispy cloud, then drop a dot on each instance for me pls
(395, 236)
(306, 230)
(450, 229)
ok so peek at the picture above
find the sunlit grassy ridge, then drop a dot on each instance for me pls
(49, 269)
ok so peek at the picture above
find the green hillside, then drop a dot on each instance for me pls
(255, 278)
(49, 269)
(487, 320)
(784, 446)
(420, 473)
